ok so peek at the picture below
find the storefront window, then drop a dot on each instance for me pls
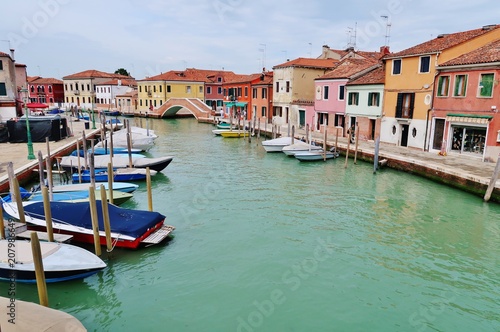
(468, 139)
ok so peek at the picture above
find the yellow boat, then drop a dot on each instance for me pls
(234, 133)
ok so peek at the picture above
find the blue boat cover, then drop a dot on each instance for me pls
(124, 221)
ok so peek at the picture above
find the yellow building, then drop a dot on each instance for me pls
(409, 83)
(156, 90)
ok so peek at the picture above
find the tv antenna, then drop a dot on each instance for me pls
(387, 29)
(352, 35)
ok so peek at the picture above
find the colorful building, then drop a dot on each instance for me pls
(409, 83)
(238, 96)
(80, 88)
(48, 91)
(466, 99)
(365, 96)
(106, 92)
(262, 97)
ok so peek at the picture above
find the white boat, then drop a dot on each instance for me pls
(315, 155)
(299, 146)
(142, 139)
(119, 161)
(113, 124)
(277, 144)
(118, 186)
(61, 262)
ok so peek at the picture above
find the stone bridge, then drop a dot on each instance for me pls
(199, 109)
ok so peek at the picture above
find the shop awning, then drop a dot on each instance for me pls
(468, 118)
(237, 104)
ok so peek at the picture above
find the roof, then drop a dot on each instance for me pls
(43, 80)
(309, 63)
(265, 79)
(375, 76)
(191, 75)
(348, 67)
(94, 74)
(443, 42)
(243, 78)
(489, 53)
(132, 94)
(114, 81)
(5, 54)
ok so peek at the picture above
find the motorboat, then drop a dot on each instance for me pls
(61, 262)
(277, 144)
(316, 155)
(113, 124)
(119, 161)
(119, 197)
(125, 187)
(129, 227)
(106, 151)
(119, 175)
(234, 133)
(299, 146)
(142, 139)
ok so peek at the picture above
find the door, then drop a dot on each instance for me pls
(404, 134)
(302, 118)
(437, 140)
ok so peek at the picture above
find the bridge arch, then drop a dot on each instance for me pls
(168, 109)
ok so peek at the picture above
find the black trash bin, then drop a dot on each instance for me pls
(87, 125)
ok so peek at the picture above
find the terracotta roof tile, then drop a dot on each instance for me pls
(243, 78)
(191, 74)
(376, 76)
(443, 42)
(4, 54)
(309, 63)
(43, 80)
(95, 74)
(114, 81)
(348, 67)
(486, 54)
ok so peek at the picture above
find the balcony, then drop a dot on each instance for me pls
(76, 92)
(149, 94)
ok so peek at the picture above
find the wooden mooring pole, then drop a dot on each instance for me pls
(95, 221)
(375, 156)
(48, 213)
(356, 146)
(493, 180)
(39, 273)
(105, 218)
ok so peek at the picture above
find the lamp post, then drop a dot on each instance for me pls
(92, 94)
(31, 155)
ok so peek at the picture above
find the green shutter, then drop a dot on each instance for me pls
(487, 85)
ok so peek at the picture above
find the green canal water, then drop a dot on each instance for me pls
(266, 243)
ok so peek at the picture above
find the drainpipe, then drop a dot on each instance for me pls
(427, 129)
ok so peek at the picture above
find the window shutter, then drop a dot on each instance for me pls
(399, 106)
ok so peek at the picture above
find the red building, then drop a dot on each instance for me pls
(262, 97)
(465, 117)
(48, 91)
(238, 97)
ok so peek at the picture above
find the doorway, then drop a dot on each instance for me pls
(404, 134)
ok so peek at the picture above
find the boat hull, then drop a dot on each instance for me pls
(315, 156)
(277, 144)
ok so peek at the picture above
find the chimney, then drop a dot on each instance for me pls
(384, 50)
(12, 54)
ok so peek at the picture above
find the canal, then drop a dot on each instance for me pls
(266, 243)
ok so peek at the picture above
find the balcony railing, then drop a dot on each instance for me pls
(404, 112)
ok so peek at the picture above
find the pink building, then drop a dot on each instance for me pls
(466, 99)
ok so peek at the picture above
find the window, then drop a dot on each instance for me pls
(32, 88)
(287, 86)
(264, 93)
(239, 92)
(154, 88)
(373, 99)
(341, 92)
(209, 90)
(65, 87)
(160, 88)
(88, 87)
(140, 102)
(246, 91)
(404, 105)
(425, 64)
(277, 86)
(353, 98)
(486, 85)
(264, 111)
(76, 86)
(396, 66)
(219, 90)
(71, 86)
(188, 89)
(169, 89)
(460, 85)
(200, 89)
(254, 93)
(1, 65)
(443, 86)
(140, 89)
(3, 89)
(219, 79)
(325, 92)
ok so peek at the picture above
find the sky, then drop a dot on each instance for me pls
(56, 38)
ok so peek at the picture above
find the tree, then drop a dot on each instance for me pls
(122, 71)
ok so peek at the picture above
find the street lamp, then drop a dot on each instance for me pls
(92, 94)
(31, 155)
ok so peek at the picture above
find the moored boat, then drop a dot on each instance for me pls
(61, 262)
(119, 161)
(277, 144)
(118, 186)
(315, 155)
(298, 147)
(119, 175)
(234, 133)
(119, 197)
(128, 227)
